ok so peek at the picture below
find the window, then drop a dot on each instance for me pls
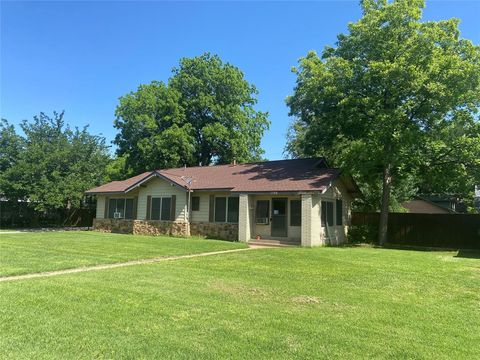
(155, 212)
(161, 208)
(327, 213)
(128, 208)
(220, 209)
(166, 208)
(339, 210)
(195, 203)
(262, 214)
(232, 213)
(226, 209)
(120, 208)
(295, 213)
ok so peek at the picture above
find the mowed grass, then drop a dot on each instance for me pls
(24, 253)
(324, 303)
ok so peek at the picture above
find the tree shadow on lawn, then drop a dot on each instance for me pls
(461, 253)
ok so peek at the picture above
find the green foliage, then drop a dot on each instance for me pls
(54, 164)
(204, 114)
(363, 234)
(11, 146)
(117, 170)
(396, 96)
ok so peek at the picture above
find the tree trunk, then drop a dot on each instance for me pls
(387, 185)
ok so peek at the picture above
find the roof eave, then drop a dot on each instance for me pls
(151, 175)
(104, 192)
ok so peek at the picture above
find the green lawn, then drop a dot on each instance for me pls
(35, 252)
(331, 303)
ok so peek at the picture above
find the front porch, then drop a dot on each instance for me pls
(285, 219)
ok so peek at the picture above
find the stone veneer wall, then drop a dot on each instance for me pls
(141, 227)
(113, 225)
(215, 230)
(159, 227)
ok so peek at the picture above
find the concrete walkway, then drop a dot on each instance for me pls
(115, 265)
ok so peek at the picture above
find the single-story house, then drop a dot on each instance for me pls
(420, 205)
(299, 201)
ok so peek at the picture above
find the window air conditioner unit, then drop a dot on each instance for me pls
(262, 221)
(117, 215)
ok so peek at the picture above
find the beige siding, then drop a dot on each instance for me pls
(202, 214)
(157, 187)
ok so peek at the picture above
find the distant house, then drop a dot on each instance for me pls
(421, 205)
(301, 201)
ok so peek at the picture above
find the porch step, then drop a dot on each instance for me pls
(273, 243)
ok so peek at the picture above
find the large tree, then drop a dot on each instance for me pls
(11, 146)
(395, 100)
(204, 114)
(52, 165)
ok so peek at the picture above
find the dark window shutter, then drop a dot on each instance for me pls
(149, 205)
(107, 200)
(211, 207)
(173, 208)
(135, 202)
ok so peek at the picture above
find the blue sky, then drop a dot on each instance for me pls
(81, 56)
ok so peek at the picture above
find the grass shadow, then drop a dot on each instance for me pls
(468, 254)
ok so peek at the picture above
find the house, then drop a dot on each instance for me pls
(301, 201)
(420, 205)
(435, 204)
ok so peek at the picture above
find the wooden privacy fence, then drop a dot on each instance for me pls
(460, 231)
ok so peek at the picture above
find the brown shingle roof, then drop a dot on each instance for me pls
(118, 186)
(270, 176)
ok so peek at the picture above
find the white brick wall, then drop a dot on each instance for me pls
(244, 218)
(100, 207)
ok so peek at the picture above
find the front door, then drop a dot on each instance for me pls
(279, 217)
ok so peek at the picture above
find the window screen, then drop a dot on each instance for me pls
(220, 209)
(330, 213)
(262, 212)
(166, 207)
(295, 213)
(129, 209)
(232, 215)
(112, 205)
(327, 213)
(155, 211)
(123, 207)
(195, 203)
(339, 210)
